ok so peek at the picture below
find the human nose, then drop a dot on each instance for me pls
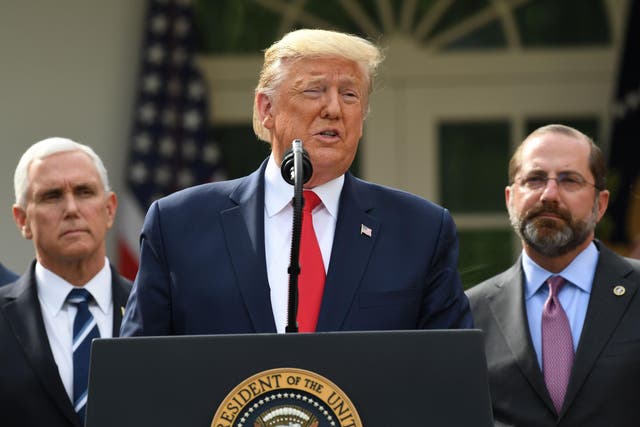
(70, 204)
(332, 108)
(551, 189)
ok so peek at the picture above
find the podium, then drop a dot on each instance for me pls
(348, 379)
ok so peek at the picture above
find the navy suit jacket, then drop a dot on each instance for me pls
(31, 391)
(605, 380)
(203, 270)
(6, 275)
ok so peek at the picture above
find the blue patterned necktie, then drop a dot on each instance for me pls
(85, 330)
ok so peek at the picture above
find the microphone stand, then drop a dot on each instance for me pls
(297, 175)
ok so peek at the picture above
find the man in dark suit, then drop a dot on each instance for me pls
(64, 205)
(562, 337)
(214, 258)
(6, 275)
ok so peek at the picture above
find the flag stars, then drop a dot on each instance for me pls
(159, 24)
(633, 100)
(151, 83)
(162, 175)
(210, 153)
(138, 173)
(192, 120)
(143, 143)
(627, 104)
(185, 178)
(181, 27)
(167, 147)
(155, 54)
(147, 113)
(196, 90)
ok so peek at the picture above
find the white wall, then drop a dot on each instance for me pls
(67, 68)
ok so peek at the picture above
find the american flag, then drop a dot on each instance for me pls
(169, 147)
(624, 206)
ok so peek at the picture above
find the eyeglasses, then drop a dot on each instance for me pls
(566, 181)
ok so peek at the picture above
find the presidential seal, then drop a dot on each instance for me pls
(286, 397)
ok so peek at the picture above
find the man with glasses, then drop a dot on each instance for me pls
(562, 326)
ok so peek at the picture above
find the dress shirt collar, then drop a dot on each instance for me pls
(278, 193)
(580, 272)
(53, 289)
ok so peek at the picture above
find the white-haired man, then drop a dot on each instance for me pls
(68, 296)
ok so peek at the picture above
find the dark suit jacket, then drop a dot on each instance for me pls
(605, 381)
(31, 392)
(6, 275)
(203, 270)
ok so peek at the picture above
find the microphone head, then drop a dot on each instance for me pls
(286, 167)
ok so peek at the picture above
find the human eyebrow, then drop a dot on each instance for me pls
(48, 195)
(85, 189)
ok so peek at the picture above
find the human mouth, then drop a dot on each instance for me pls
(73, 232)
(329, 134)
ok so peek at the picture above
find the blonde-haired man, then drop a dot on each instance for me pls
(214, 258)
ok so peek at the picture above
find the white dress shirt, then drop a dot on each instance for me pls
(58, 315)
(278, 217)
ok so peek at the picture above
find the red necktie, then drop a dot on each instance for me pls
(557, 344)
(312, 274)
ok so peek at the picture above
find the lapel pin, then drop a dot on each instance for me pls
(122, 310)
(364, 230)
(619, 291)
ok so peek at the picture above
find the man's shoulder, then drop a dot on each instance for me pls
(492, 284)
(12, 290)
(121, 281)
(390, 196)
(609, 257)
(198, 192)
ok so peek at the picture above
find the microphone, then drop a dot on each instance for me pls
(288, 162)
(296, 170)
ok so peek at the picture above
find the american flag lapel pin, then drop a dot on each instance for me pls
(364, 230)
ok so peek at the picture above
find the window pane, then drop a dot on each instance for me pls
(484, 254)
(473, 165)
(554, 23)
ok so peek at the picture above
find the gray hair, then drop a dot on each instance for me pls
(307, 43)
(45, 148)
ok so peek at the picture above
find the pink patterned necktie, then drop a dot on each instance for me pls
(312, 274)
(557, 344)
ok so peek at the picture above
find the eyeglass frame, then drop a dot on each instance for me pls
(562, 179)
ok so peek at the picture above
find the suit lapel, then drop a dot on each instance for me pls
(349, 255)
(507, 307)
(25, 318)
(120, 289)
(244, 233)
(603, 315)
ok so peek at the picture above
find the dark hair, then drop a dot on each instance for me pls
(597, 165)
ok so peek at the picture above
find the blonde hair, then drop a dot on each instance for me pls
(308, 43)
